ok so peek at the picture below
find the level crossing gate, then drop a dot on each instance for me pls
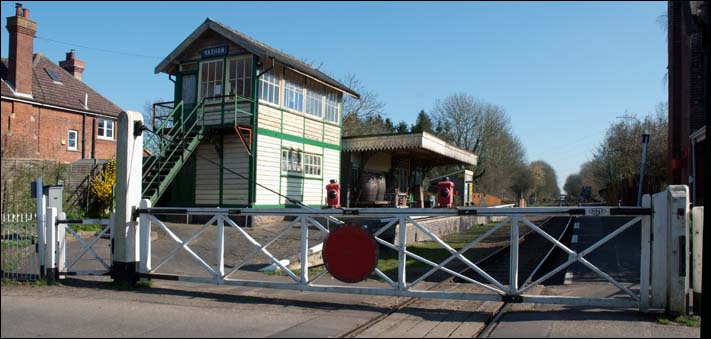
(663, 278)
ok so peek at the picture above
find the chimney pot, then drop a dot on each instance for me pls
(18, 9)
(26, 13)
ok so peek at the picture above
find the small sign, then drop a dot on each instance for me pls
(597, 212)
(214, 51)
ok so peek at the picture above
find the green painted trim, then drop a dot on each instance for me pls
(295, 138)
(296, 176)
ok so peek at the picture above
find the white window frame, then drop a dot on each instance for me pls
(69, 140)
(270, 87)
(313, 165)
(314, 100)
(292, 161)
(293, 92)
(245, 65)
(332, 106)
(104, 124)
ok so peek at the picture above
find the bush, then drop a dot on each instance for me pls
(103, 186)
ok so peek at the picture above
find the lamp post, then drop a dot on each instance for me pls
(645, 141)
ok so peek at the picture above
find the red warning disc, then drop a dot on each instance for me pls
(350, 253)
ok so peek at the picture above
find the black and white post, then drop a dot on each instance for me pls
(129, 162)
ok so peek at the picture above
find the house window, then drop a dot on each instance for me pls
(72, 140)
(211, 79)
(332, 106)
(239, 79)
(291, 161)
(312, 164)
(106, 129)
(294, 92)
(269, 87)
(314, 101)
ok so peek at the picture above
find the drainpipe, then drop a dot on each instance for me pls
(83, 137)
(93, 138)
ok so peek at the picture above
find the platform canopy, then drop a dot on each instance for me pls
(421, 147)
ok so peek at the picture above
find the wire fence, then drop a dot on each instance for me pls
(20, 260)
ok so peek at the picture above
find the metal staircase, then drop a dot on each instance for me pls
(178, 134)
(170, 147)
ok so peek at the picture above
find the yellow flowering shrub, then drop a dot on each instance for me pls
(102, 185)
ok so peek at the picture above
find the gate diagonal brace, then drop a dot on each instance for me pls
(239, 128)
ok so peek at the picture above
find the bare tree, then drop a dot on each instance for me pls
(365, 115)
(485, 130)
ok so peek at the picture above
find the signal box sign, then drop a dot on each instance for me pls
(214, 51)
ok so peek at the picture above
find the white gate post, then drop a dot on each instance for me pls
(51, 237)
(678, 249)
(697, 216)
(129, 176)
(62, 245)
(145, 229)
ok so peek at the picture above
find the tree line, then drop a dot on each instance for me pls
(613, 174)
(471, 124)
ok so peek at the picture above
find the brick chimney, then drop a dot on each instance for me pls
(22, 33)
(73, 65)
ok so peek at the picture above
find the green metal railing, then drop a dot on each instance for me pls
(177, 136)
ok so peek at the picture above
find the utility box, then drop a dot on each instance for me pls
(54, 194)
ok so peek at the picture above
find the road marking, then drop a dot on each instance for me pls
(575, 239)
(576, 225)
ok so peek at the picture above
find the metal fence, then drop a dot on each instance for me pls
(20, 260)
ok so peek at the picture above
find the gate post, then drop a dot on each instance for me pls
(129, 176)
(51, 250)
(62, 246)
(145, 230)
(678, 249)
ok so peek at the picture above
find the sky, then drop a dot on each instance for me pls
(563, 71)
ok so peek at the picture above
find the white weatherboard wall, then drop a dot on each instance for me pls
(235, 188)
(331, 168)
(269, 118)
(268, 171)
(207, 175)
(313, 185)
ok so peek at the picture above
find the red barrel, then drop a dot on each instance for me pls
(445, 193)
(333, 194)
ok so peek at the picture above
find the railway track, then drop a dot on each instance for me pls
(534, 251)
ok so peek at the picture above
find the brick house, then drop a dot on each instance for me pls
(47, 111)
(688, 94)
